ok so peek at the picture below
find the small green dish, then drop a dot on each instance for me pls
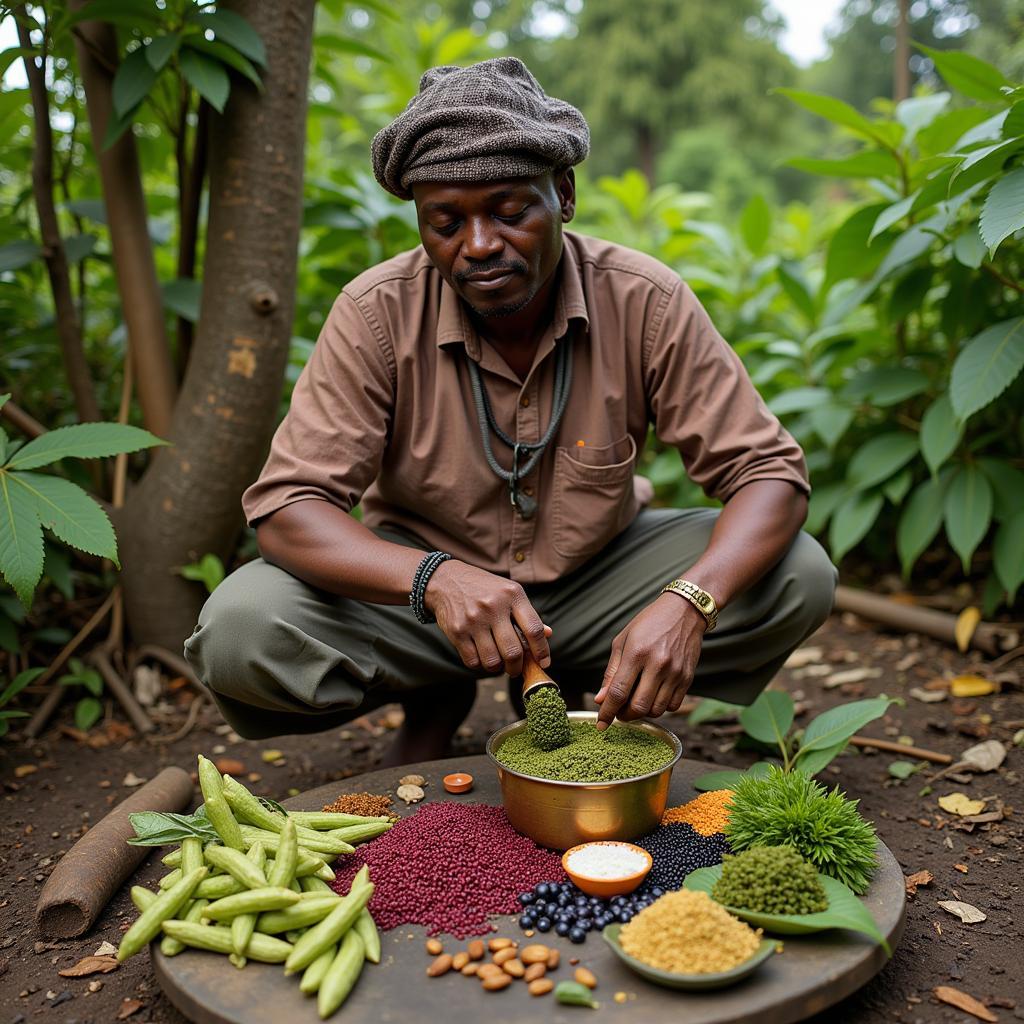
(689, 982)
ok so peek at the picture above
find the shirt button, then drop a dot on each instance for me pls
(524, 401)
(520, 557)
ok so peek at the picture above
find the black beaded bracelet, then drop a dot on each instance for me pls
(424, 571)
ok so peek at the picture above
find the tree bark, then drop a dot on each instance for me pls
(121, 179)
(69, 330)
(191, 175)
(187, 503)
(901, 56)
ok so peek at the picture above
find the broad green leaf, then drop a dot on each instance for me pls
(869, 163)
(891, 215)
(117, 126)
(844, 909)
(799, 400)
(207, 77)
(161, 49)
(134, 79)
(914, 242)
(1014, 123)
(21, 541)
(968, 511)
(88, 712)
(1007, 486)
(15, 255)
(918, 112)
(756, 223)
(904, 769)
(919, 523)
(968, 74)
(19, 682)
(344, 44)
(226, 55)
(849, 254)
(793, 284)
(728, 778)
(943, 134)
(909, 295)
(1007, 555)
(93, 209)
(129, 13)
(183, 297)
(851, 522)
(82, 441)
(69, 512)
(968, 248)
(1003, 211)
(981, 164)
(162, 828)
(769, 718)
(209, 571)
(77, 247)
(896, 487)
(940, 433)
(815, 761)
(830, 422)
(986, 366)
(233, 29)
(57, 568)
(824, 501)
(711, 710)
(878, 459)
(838, 112)
(838, 724)
(886, 385)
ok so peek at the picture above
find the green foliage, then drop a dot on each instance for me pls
(209, 571)
(88, 709)
(791, 809)
(16, 685)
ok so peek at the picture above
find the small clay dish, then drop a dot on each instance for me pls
(689, 982)
(458, 782)
(606, 888)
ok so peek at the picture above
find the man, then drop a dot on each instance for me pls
(485, 399)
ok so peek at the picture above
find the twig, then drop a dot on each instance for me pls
(1002, 278)
(193, 716)
(897, 748)
(117, 686)
(175, 662)
(1005, 659)
(26, 423)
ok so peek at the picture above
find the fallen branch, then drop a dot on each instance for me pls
(898, 748)
(120, 689)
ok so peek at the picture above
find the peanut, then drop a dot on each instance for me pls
(535, 971)
(495, 944)
(460, 960)
(489, 971)
(497, 982)
(442, 965)
(536, 954)
(434, 947)
(476, 949)
(471, 968)
(508, 953)
(585, 977)
(540, 986)
(553, 959)
(514, 967)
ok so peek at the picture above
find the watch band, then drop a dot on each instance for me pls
(698, 597)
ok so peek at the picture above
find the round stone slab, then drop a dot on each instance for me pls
(812, 973)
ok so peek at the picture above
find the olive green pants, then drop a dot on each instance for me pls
(283, 657)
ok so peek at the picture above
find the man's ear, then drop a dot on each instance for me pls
(565, 184)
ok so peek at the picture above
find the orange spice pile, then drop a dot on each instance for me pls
(707, 814)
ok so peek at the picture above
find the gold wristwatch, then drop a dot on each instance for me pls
(698, 597)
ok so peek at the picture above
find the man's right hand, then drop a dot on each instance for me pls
(479, 612)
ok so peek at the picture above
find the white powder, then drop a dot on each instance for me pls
(611, 860)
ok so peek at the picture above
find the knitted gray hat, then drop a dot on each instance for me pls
(486, 122)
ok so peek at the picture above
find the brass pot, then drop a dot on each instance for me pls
(563, 814)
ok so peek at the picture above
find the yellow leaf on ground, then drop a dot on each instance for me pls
(971, 686)
(966, 623)
(961, 803)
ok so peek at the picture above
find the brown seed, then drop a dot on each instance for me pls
(554, 957)
(497, 982)
(460, 960)
(535, 971)
(489, 971)
(508, 953)
(574, 960)
(540, 987)
(585, 977)
(471, 968)
(536, 954)
(434, 947)
(514, 967)
(442, 965)
(495, 944)
(476, 949)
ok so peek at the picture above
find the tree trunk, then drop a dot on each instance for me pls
(645, 152)
(901, 56)
(187, 503)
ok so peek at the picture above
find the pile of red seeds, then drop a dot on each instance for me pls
(448, 867)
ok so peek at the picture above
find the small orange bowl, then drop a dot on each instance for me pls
(458, 782)
(605, 888)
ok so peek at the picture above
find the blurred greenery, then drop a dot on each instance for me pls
(863, 257)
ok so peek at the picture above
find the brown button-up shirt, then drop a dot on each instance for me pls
(383, 413)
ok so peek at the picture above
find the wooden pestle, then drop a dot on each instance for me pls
(534, 677)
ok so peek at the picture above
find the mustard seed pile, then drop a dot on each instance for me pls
(369, 805)
(619, 752)
(770, 880)
(688, 933)
(546, 719)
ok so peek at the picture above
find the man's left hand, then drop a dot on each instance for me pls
(652, 662)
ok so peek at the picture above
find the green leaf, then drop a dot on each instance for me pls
(981, 164)
(87, 713)
(769, 718)
(892, 215)
(161, 49)
(838, 724)
(77, 247)
(940, 433)
(909, 296)
(836, 111)
(129, 13)
(711, 710)
(183, 297)
(343, 44)
(160, 828)
(844, 909)
(914, 242)
(851, 522)
(968, 248)
(918, 112)
(66, 510)
(226, 55)
(830, 422)
(756, 223)
(869, 163)
(799, 400)
(15, 255)
(896, 487)
(1003, 211)
(82, 441)
(1007, 555)
(904, 769)
(986, 366)
(879, 458)
(1013, 126)
(18, 683)
(209, 571)
(21, 541)
(207, 77)
(57, 569)
(233, 29)
(886, 385)
(1007, 486)
(132, 82)
(117, 126)
(793, 284)
(919, 523)
(824, 501)
(815, 761)
(728, 778)
(968, 74)
(968, 511)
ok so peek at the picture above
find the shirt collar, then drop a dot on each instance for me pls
(454, 326)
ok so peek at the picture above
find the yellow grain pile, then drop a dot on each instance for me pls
(707, 814)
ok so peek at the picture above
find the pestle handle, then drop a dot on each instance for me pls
(533, 674)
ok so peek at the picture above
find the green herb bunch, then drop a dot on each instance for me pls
(770, 880)
(791, 809)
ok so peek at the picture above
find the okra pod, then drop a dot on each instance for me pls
(299, 915)
(219, 887)
(341, 976)
(243, 925)
(141, 897)
(170, 879)
(314, 973)
(172, 947)
(272, 841)
(252, 901)
(326, 820)
(191, 854)
(217, 810)
(359, 833)
(217, 939)
(172, 859)
(166, 905)
(367, 929)
(329, 930)
(313, 884)
(286, 858)
(237, 865)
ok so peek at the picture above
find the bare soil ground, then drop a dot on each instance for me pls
(53, 788)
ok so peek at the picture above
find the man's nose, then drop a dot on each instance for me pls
(481, 241)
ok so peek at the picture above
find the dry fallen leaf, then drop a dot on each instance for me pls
(962, 1001)
(928, 696)
(962, 868)
(25, 769)
(229, 766)
(966, 913)
(966, 623)
(984, 757)
(105, 949)
(851, 675)
(803, 656)
(128, 1007)
(90, 965)
(971, 686)
(918, 878)
(961, 803)
(270, 756)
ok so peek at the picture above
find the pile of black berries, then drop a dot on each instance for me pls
(677, 850)
(562, 908)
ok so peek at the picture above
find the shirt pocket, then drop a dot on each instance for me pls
(593, 496)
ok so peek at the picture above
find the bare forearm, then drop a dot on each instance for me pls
(754, 531)
(326, 547)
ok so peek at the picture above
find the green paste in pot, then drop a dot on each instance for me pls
(546, 719)
(620, 752)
